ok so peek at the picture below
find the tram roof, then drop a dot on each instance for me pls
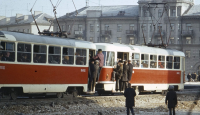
(22, 37)
(136, 48)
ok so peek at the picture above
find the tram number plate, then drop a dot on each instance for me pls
(2, 67)
(83, 70)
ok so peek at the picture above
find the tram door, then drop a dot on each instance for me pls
(123, 55)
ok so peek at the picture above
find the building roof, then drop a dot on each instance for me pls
(107, 11)
(41, 18)
(194, 11)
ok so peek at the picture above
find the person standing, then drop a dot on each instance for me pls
(96, 68)
(99, 57)
(91, 70)
(130, 98)
(124, 77)
(189, 77)
(171, 100)
(119, 74)
(130, 70)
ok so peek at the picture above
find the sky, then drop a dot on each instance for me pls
(9, 8)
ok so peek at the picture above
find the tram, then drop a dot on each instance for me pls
(32, 64)
(154, 69)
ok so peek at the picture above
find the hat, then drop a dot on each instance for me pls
(99, 49)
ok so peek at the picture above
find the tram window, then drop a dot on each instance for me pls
(68, 56)
(80, 56)
(161, 62)
(7, 51)
(110, 59)
(153, 61)
(135, 59)
(39, 55)
(169, 60)
(144, 60)
(54, 55)
(176, 62)
(24, 52)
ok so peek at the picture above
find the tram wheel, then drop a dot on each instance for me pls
(13, 95)
(59, 95)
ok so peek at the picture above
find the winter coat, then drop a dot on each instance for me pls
(125, 71)
(189, 76)
(119, 72)
(130, 70)
(96, 69)
(130, 95)
(171, 99)
(92, 70)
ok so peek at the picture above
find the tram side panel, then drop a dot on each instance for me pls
(42, 78)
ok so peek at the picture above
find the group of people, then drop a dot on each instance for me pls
(95, 66)
(193, 77)
(123, 74)
(170, 99)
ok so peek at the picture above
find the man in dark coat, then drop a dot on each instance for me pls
(171, 100)
(91, 73)
(94, 75)
(119, 74)
(130, 101)
(189, 77)
(124, 78)
(130, 70)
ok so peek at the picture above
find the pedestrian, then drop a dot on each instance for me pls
(193, 77)
(130, 98)
(91, 69)
(130, 70)
(96, 69)
(124, 78)
(99, 57)
(171, 100)
(119, 74)
(189, 77)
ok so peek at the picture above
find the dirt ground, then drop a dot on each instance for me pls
(92, 105)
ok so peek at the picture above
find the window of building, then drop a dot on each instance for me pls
(144, 60)
(161, 62)
(146, 13)
(91, 28)
(179, 27)
(119, 40)
(63, 28)
(80, 56)
(131, 40)
(54, 55)
(80, 27)
(39, 55)
(169, 60)
(8, 51)
(159, 28)
(188, 27)
(159, 41)
(172, 40)
(187, 53)
(68, 28)
(91, 39)
(188, 40)
(68, 56)
(172, 26)
(119, 28)
(106, 27)
(135, 59)
(176, 62)
(97, 28)
(153, 61)
(160, 13)
(58, 29)
(173, 12)
(143, 27)
(178, 41)
(23, 52)
(131, 27)
(106, 40)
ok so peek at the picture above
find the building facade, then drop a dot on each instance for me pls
(172, 22)
(25, 23)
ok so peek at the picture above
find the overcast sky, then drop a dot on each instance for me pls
(11, 7)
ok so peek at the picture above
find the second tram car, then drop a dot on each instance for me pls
(154, 69)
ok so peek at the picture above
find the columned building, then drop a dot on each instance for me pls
(173, 22)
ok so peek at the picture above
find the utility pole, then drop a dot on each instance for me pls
(87, 3)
